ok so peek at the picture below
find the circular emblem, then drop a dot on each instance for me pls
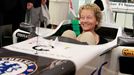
(16, 66)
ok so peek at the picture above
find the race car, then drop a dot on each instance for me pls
(57, 55)
(46, 52)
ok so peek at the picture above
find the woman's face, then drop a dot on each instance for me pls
(88, 20)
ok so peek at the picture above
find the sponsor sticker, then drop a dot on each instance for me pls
(16, 66)
(128, 52)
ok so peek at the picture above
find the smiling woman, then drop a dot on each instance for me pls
(90, 19)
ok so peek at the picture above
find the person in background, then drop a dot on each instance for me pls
(45, 13)
(39, 15)
(90, 17)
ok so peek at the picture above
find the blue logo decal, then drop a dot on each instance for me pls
(16, 66)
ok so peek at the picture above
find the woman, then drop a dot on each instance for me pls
(90, 19)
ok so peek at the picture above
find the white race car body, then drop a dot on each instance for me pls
(100, 59)
(54, 56)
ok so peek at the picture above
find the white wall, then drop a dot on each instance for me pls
(58, 10)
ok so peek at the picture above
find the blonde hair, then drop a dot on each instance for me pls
(95, 8)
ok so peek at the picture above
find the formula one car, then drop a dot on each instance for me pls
(45, 52)
(50, 54)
